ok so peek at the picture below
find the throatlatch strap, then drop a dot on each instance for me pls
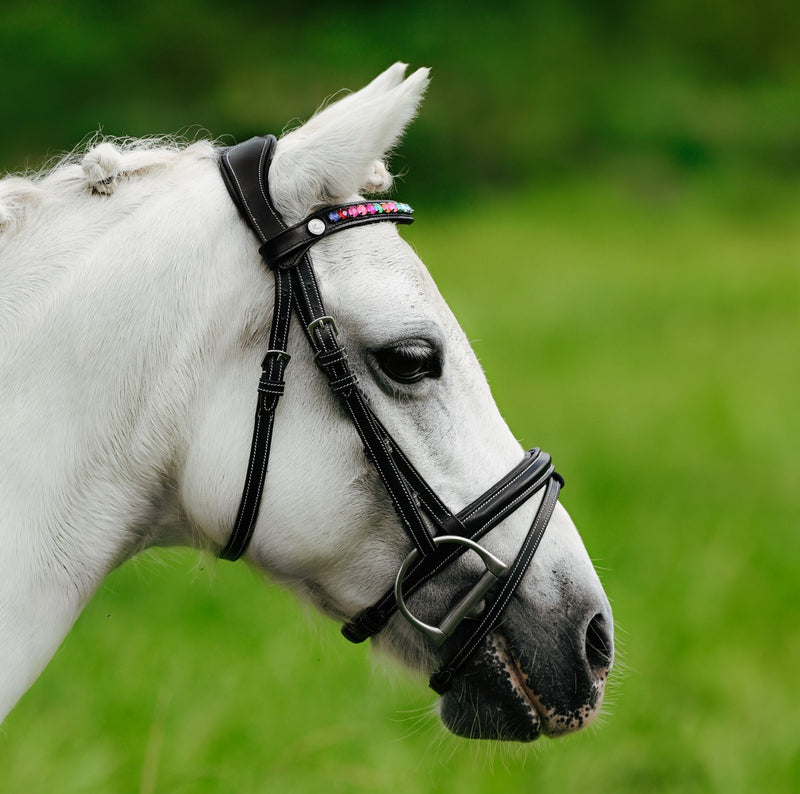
(245, 171)
(270, 388)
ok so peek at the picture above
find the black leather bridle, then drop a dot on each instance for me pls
(245, 169)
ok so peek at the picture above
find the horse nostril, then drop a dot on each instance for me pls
(599, 646)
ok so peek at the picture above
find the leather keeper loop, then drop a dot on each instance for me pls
(327, 358)
(342, 384)
(269, 392)
(276, 387)
(282, 263)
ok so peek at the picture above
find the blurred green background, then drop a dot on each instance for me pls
(632, 169)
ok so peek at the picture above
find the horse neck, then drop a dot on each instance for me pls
(105, 333)
(112, 312)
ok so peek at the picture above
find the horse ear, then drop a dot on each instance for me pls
(339, 152)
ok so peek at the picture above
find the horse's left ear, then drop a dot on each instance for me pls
(339, 152)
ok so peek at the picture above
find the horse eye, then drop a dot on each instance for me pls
(410, 362)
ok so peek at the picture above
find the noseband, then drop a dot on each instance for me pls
(245, 169)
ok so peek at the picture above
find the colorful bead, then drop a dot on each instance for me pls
(372, 208)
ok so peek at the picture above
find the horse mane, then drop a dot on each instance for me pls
(94, 168)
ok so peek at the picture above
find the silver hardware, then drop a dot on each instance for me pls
(319, 322)
(470, 606)
(279, 353)
(316, 226)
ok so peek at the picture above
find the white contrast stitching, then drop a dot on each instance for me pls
(241, 194)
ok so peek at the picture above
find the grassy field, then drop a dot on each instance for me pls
(648, 340)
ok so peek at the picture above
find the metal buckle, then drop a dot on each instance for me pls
(278, 354)
(495, 568)
(319, 322)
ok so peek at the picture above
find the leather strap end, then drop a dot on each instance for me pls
(441, 680)
(364, 625)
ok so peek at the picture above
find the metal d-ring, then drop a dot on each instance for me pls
(495, 568)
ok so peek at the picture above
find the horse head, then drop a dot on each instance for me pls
(147, 311)
(326, 526)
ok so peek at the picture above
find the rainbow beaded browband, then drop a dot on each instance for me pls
(346, 211)
(245, 169)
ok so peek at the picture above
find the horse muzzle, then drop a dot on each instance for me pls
(538, 673)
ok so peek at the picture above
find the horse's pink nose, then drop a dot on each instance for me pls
(598, 646)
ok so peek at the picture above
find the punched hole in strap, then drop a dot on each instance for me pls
(385, 444)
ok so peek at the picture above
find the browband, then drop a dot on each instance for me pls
(286, 248)
(283, 246)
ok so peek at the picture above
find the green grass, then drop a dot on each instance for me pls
(650, 344)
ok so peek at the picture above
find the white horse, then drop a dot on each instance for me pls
(134, 311)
